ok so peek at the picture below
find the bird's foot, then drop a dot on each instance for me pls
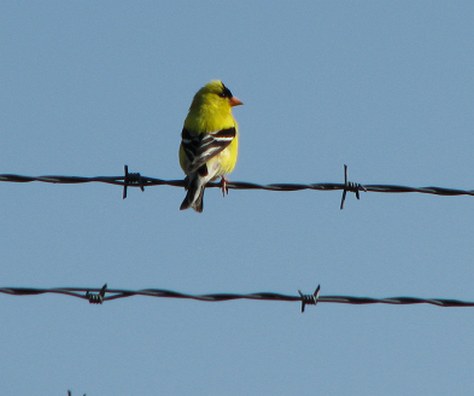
(224, 186)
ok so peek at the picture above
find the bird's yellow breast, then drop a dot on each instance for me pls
(209, 118)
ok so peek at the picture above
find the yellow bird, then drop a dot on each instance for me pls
(209, 141)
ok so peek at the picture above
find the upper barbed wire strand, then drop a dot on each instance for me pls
(137, 180)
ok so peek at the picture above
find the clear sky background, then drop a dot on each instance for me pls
(385, 87)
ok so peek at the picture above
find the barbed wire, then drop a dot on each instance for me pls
(137, 180)
(101, 295)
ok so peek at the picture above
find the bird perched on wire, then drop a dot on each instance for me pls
(209, 141)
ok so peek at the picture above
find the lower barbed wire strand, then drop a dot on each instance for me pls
(99, 295)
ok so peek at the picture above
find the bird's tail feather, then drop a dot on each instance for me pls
(195, 196)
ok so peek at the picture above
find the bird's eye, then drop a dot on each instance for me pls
(225, 92)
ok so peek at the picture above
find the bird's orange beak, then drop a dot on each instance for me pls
(235, 101)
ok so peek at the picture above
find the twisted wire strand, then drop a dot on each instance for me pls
(145, 181)
(100, 295)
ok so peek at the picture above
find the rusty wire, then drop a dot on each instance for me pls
(137, 180)
(101, 295)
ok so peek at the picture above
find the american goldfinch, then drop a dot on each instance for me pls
(209, 141)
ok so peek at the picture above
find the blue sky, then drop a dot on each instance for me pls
(385, 87)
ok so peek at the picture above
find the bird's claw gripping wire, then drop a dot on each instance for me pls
(224, 186)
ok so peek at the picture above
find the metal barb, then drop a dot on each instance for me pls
(131, 179)
(97, 298)
(350, 186)
(311, 299)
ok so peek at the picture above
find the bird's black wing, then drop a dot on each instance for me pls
(202, 147)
